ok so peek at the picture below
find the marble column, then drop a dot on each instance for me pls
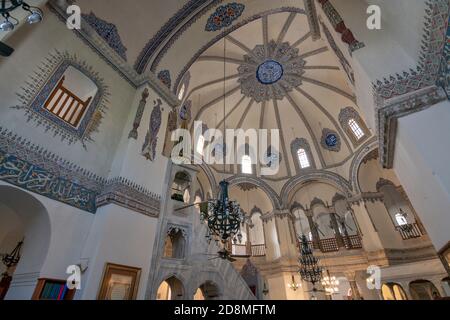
(335, 225)
(313, 228)
(351, 277)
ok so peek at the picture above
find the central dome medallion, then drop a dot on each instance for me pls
(271, 71)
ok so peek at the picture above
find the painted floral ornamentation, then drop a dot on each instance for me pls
(224, 16)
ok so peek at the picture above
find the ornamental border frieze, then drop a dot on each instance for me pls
(125, 193)
(414, 90)
(427, 70)
(38, 170)
(387, 118)
(367, 197)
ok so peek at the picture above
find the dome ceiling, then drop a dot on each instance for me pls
(277, 77)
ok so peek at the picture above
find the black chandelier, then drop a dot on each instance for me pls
(12, 259)
(310, 270)
(6, 6)
(223, 217)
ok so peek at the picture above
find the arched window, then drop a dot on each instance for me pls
(247, 165)
(401, 219)
(200, 144)
(354, 125)
(356, 129)
(302, 155)
(170, 289)
(303, 158)
(182, 91)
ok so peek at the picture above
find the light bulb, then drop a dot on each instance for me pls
(6, 26)
(34, 17)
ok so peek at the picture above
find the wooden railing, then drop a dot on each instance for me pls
(409, 231)
(259, 250)
(329, 245)
(64, 104)
(353, 242)
(242, 250)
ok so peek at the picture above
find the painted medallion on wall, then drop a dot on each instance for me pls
(224, 16)
(331, 140)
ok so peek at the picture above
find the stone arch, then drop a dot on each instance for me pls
(211, 178)
(25, 217)
(207, 277)
(317, 176)
(273, 196)
(423, 290)
(367, 152)
(170, 287)
(209, 290)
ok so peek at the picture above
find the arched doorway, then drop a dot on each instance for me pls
(207, 291)
(22, 216)
(423, 290)
(170, 289)
(251, 276)
(393, 291)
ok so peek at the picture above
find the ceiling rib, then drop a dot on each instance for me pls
(329, 116)
(308, 127)
(282, 140)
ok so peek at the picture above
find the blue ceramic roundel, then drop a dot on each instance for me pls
(331, 140)
(269, 72)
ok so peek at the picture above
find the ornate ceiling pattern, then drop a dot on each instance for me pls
(276, 77)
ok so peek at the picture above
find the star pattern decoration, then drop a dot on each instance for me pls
(270, 71)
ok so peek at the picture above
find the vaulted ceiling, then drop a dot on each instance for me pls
(277, 77)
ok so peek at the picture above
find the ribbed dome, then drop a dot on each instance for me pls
(277, 77)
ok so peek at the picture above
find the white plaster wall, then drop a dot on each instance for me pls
(32, 45)
(128, 159)
(421, 163)
(371, 172)
(393, 49)
(67, 231)
(10, 233)
(121, 236)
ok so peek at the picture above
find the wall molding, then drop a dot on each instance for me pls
(414, 90)
(38, 170)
